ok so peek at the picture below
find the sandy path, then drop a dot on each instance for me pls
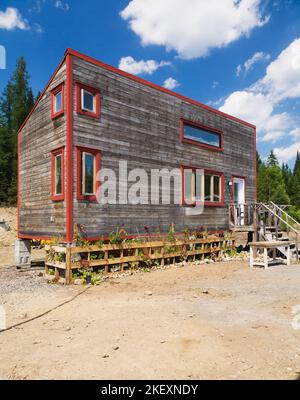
(213, 321)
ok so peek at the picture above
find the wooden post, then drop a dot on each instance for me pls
(251, 257)
(288, 256)
(266, 258)
(68, 271)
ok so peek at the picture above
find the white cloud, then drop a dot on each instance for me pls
(193, 27)
(258, 104)
(130, 65)
(295, 133)
(61, 5)
(171, 83)
(11, 19)
(285, 154)
(282, 79)
(249, 64)
(273, 136)
(215, 84)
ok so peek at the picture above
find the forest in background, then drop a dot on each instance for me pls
(277, 183)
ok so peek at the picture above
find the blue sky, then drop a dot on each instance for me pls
(242, 56)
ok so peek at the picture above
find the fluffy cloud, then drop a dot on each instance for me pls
(249, 64)
(192, 27)
(61, 5)
(258, 104)
(171, 83)
(130, 65)
(285, 154)
(11, 19)
(282, 79)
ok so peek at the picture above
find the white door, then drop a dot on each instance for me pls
(239, 199)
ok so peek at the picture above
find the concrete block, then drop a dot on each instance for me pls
(23, 252)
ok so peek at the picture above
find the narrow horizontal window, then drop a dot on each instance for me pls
(88, 165)
(87, 100)
(201, 136)
(57, 101)
(202, 186)
(57, 174)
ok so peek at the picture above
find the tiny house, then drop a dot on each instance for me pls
(92, 117)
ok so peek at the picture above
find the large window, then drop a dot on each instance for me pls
(87, 100)
(57, 101)
(202, 186)
(201, 135)
(57, 174)
(88, 165)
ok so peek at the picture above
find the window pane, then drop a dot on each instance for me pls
(207, 190)
(201, 136)
(188, 179)
(88, 176)
(198, 190)
(58, 174)
(88, 101)
(217, 181)
(58, 102)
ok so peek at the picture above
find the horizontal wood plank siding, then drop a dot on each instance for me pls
(141, 125)
(38, 138)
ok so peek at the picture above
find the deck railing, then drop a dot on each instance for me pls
(241, 215)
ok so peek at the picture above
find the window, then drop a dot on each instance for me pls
(57, 174)
(87, 100)
(57, 101)
(201, 135)
(202, 185)
(88, 165)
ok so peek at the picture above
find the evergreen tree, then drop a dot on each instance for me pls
(271, 182)
(15, 104)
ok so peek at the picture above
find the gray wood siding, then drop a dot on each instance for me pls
(142, 125)
(38, 138)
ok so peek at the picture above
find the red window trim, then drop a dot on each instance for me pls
(54, 153)
(208, 171)
(199, 144)
(95, 92)
(245, 180)
(57, 89)
(79, 151)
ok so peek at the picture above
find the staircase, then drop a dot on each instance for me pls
(267, 222)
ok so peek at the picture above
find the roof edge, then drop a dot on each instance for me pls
(135, 78)
(154, 85)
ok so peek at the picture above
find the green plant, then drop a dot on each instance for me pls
(51, 271)
(115, 237)
(171, 233)
(59, 257)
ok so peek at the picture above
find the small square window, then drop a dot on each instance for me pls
(57, 101)
(87, 100)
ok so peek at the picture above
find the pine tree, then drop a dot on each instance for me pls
(294, 185)
(271, 182)
(15, 104)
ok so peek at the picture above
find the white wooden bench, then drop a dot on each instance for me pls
(269, 245)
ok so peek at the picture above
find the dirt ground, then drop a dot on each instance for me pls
(215, 321)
